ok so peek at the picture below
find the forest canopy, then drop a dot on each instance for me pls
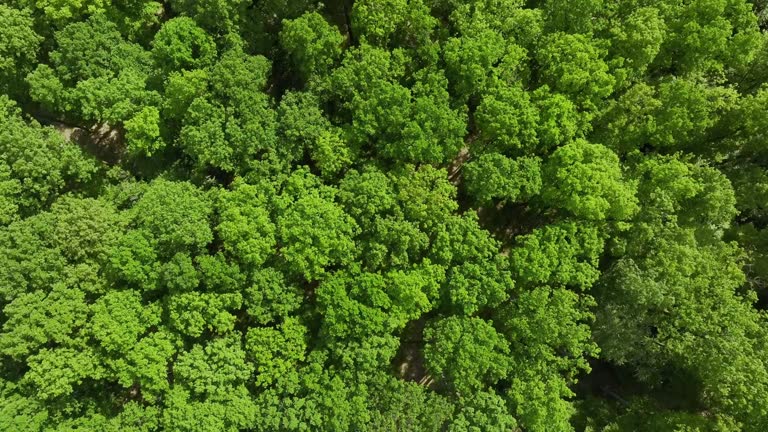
(384, 215)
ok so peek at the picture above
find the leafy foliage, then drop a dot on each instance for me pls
(383, 215)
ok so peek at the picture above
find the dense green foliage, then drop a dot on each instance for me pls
(384, 215)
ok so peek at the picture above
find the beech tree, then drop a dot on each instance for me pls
(38, 164)
(383, 215)
(19, 45)
(586, 180)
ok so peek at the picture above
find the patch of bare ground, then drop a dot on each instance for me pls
(454, 168)
(409, 362)
(104, 142)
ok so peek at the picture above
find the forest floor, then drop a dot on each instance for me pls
(409, 361)
(102, 141)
